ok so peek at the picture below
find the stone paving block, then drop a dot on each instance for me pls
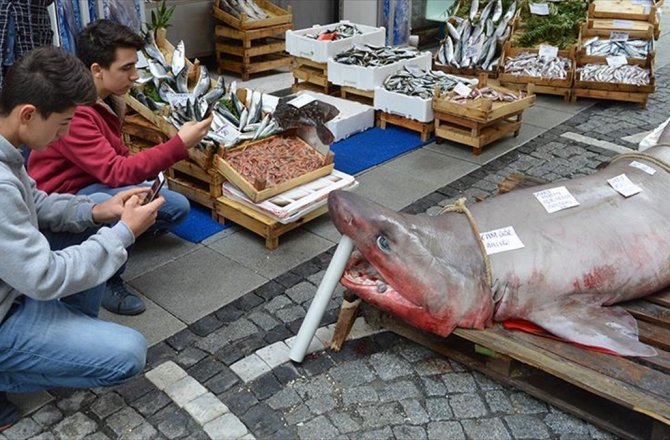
(527, 427)
(229, 354)
(343, 422)
(284, 398)
(277, 303)
(205, 369)
(317, 363)
(185, 390)
(42, 436)
(467, 405)
(107, 404)
(414, 412)
(459, 383)
(390, 366)
(492, 429)
(385, 414)
(205, 326)
(563, 423)
(409, 432)
(433, 387)
(205, 408)
(263, 421)
(78, 400)
(438, 408)
(290, 313)
(48, 415)
(223, 381)
(303, 292)
(314, 345)
(123, 421)
(298, 415)
(498, 402)
(190, 356)
(172, 422)
(151, 403)
(225, 427)
(433, 366)
(446, 430)
(286, 373)
(321, 404)
(277, 334)
(399, 390)
(359, 394)
(165, 375)
(319, 428)
(250, 367)
(361, 329)
(311, 387)
(325, 334)
(265, 386)
(238, 399)
(352, 374)
(263, 320)
(24, 429)
(377, 434)
(485, 383)
(526, 404)
(96, 436)
(75, 427)
(145, 431)
(134, 388)
(275, 354)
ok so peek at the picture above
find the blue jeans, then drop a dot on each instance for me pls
(62, 343)
(173, 212)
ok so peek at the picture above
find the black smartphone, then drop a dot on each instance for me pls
(208, 111)
(155, 188)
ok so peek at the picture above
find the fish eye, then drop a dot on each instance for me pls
(383, 244)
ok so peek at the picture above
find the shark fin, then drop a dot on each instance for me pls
(588, 323)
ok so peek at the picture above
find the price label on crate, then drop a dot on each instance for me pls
(617, 60)
(539, 8)
(228, 132)
(624, 186)
(619, 36)
(177, 99)
(623, 24)
(301, 100)
(547, 52)
(462, 90)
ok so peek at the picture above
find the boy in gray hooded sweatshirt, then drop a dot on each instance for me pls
(54, 255)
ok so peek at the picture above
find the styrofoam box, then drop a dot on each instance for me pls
(299, 45)
(367, 78)
(411, 107)
(353, 118)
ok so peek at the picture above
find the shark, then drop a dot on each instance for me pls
(575, 265)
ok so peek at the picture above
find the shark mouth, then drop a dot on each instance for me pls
(361, 276)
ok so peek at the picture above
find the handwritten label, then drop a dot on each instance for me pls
(539, 8)
(501, 240)
(624, 24)
(556, 199)
(228, 132)
(177, 99)
(617, 60)
(644, 167)
(301, 100)
(619, 36)
(547, 52)
(624, 186)
(462, 90)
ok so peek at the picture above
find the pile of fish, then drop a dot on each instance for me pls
(339, 33)
(163, 88)
(487, 93)
(531, 64)
(368, 55)
(421, 83)
(238, 7)
(629, 48)
(475, 42)
(626, 74)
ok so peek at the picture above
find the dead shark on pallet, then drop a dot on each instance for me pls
(575, 265)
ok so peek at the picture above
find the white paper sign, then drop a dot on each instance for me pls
(177, 99)
(501, 240)
(556, 199)
(624, 186)
(547, 51)
(539, 8)
(644, 167)
(301, 100)
(617, 60)
(624, 24)
(462, 90)
(228, 132)
(619, 36)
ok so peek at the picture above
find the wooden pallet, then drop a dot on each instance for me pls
(251, 51)
(353, 94)
(259, 223)
(426, 129)
(310, 75)
(202, 187)
(473, 133)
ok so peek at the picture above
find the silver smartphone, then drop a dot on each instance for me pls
(155, 188)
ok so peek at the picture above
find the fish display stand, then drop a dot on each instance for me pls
(251, 51)
(196, 184)
(586, 33)
(479, 122)
(548, 86)
(425, 129)
(259, 223)
(312, 76)
(277, 16)
(353, 94)
(617, 25)
(627, 10)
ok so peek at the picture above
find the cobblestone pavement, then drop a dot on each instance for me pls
(380, 386)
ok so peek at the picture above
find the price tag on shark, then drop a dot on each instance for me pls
(623, 24)
(617, 61)
(462, 90)
(177, 99)
(556, 199)
(302, 100)
(619, 36)
(547, 52)
(644, 167)
(501, 240)
(539, 8)
(624, 186)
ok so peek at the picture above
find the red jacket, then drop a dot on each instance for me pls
(93, 152)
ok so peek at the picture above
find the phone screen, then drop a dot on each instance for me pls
(155, 188)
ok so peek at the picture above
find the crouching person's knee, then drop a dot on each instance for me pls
(127, 358)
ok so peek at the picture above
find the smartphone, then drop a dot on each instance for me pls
(155, 188)
(208, 111)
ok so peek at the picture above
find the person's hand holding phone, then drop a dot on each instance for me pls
(139, 217)
(191, 133)
(111, 209)
(155, 188)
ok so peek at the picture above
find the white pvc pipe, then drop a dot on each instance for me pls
(321, 299)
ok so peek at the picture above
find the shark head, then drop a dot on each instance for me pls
(413, 266)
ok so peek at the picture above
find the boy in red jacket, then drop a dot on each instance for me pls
(92, 158)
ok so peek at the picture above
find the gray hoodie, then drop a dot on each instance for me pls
(28, 266)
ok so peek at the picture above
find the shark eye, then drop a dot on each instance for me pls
(383, 244)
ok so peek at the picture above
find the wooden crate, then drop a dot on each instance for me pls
(425, 129)
(587, 33)
(613, 91)
(549, 86)
(259, 223)
(612, 25)
(138, 126)
(203, 187)
(277, 16)
(475, 134)
(251, 51)
(310, 75)
(257, 191)
(353, 94)
(625, 10)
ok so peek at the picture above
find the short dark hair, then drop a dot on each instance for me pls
(50, 79)
(98, 42)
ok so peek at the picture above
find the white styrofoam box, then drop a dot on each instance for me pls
(354, 117)
(367, 78)
(411, 107)
(299, 201)
(299, 45)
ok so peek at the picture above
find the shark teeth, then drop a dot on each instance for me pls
(361, 273)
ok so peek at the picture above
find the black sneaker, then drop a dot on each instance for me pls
(9, 413)
(118, 299)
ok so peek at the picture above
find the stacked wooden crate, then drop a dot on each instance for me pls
(248, 46)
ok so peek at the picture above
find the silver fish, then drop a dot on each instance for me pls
(453, 31)
(178, 59)
(486, 11)
(203, 84)
(497, 12)
(474, 7)
(157, 69)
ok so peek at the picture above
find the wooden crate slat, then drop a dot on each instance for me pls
(271, 46)
(654, 335)
(646, 311)
(227, 32)
(276, 14)
(661, 298)
(425, 129)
